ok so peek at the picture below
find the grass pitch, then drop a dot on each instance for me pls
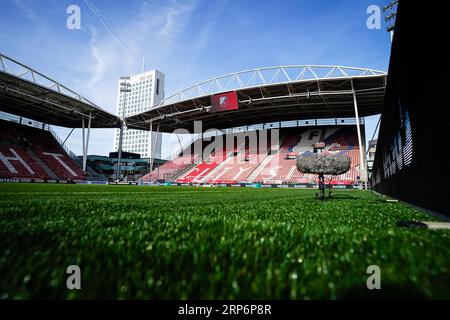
(175, 242)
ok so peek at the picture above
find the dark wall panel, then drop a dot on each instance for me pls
(413, 152)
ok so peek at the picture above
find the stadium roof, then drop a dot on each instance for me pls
(27, 93)
(271, 94)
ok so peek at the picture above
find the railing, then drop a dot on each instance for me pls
(38, 125)
(64, 146)
(72, 155)
(176, 154)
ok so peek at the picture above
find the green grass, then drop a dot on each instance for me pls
(175, 242)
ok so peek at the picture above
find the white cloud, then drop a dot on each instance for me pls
(98, 69)
(29, 13)
(211, 20)
(156, 30)
(175, 19)
(151, 33)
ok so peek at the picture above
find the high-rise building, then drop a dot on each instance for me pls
(147, 89)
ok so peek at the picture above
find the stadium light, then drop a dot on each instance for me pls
(125, 87)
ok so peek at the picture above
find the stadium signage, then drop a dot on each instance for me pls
(226, 309)
(299, 186)
(226, 101)
(254, 185)
(223, 185)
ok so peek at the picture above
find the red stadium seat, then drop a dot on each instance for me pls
(233, 164)
(21, 141)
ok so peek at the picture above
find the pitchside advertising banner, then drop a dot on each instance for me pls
(225, 101)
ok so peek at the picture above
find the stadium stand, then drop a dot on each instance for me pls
(236, 168)
(170, 168)
(16, 163)
(199, 172)
(282, 167)
(243, 163)
(31, 153)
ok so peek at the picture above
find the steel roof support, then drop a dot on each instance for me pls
(153, 144)
(85, 140)
(257, 78)
(41, 88)
(362, 166)
(3, 64)
(45, 101)
(64, 142)
(374, 132)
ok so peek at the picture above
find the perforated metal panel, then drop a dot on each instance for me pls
(413, 151)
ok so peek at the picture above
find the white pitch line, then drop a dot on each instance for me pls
(437, 225)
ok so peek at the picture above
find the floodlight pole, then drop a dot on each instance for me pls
(124, 87)
(358, 128)
(119, 151)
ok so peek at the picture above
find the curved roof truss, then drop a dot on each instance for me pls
(267, 76)
(29, 93)
(270, 94)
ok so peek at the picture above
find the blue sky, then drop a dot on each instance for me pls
(190, 41)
